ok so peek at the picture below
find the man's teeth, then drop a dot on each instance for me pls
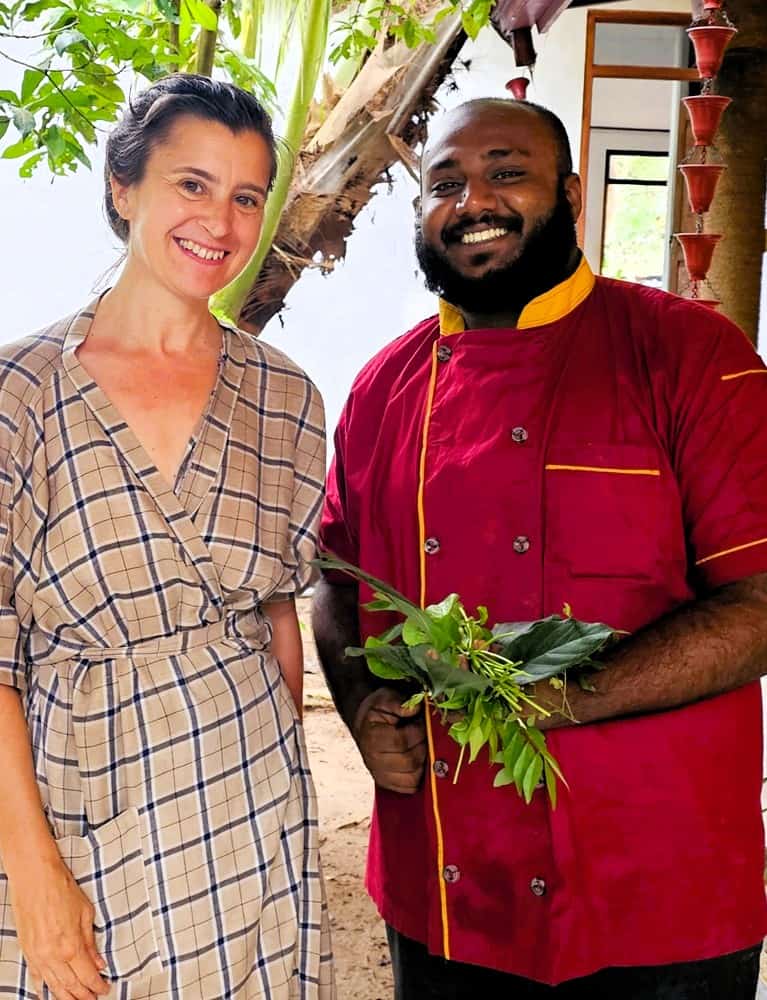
(202, 252)
(483, 236)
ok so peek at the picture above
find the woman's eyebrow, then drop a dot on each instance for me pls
(207, 176)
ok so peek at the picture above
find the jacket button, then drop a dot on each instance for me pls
(431, 546)
(521, 544)
(538, 887)
(440, 768)
(450, 873)
(444, 353)
(519, 435)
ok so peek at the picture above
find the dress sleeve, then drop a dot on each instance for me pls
(308, 480)
(720, 450)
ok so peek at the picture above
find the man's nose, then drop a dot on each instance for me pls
(477, 197)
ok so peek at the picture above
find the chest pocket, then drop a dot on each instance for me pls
(611, 510)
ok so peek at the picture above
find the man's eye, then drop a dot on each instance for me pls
(509, 174)
(443, 187)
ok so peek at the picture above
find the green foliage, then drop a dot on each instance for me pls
(482, 674)
(358, 33)
(86, 53)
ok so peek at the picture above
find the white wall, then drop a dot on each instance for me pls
(54, 244)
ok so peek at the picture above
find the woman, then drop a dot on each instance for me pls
(160, 480)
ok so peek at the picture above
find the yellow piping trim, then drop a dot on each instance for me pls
(748, 371)
(728, 552)
(440, 841)
(603, 468)
(422, 573)
(554, 304)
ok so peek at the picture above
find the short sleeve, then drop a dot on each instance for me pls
(338, 531)
(308, 490)
(720, 449)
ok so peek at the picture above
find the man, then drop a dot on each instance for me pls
(553, 438)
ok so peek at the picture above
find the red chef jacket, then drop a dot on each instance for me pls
(610, 452)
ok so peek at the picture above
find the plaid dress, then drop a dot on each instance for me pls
(171, 764)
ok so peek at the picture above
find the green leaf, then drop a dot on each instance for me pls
(26, 168)
(8, 97)
(551, 783)
(4, 123)
(20, 148)
(551, 645)
(386, 661)
(29, 83)
(55, 142)
(202, 14)
(415, 700)
(443, 677)
(531, 778)
(168, 10)
(522, 763)
(24, 121)
(503, 777)
(66, 39)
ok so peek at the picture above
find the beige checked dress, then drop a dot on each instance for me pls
(170, 760)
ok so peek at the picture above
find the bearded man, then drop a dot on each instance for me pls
(552, 438)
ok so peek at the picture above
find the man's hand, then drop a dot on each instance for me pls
(392, 740)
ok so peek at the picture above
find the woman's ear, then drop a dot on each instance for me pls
(120, 197)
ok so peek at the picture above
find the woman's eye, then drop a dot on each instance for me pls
(247, 201)
(192, 187)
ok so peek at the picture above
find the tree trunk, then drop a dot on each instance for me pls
(379, 120)
(738, 208)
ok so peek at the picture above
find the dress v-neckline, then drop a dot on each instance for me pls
(202, 458)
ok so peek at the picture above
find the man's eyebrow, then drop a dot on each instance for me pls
(207, 176)
(449, 162)
(499, 154)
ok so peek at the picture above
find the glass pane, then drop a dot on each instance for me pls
(633, 245)
(637, 167)
(640, 45)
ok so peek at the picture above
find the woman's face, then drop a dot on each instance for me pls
(196, 215)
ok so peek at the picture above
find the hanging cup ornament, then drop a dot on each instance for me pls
(710, 42)
(518, 87)
(701, 180)
(712, 5)
(705, 113)
(698, 250)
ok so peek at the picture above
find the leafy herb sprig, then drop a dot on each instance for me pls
(463, 666)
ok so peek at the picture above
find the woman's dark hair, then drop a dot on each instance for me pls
(149, 119)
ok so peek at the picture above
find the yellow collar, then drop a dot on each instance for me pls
(547, 308)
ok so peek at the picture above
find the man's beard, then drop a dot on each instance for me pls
(544, 260)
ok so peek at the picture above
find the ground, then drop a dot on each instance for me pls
(345, 792)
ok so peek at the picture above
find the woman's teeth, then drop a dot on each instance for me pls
(202, 252)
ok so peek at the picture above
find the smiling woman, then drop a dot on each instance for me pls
(160, 482)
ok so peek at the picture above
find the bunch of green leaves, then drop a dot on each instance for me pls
(81, 56)
(365, 23)
(483, 674)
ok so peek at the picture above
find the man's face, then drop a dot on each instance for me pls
(495, 211)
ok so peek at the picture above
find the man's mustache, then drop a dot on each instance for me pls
(511, 223)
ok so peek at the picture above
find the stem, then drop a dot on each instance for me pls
(458, 765)
(206, 45)
(230, 300)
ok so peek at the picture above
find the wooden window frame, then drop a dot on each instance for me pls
(603, 71)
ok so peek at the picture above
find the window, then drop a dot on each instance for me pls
(634, 226)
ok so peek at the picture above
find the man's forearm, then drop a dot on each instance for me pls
(711, 646)
(335, 620)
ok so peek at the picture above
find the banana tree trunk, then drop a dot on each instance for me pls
(378, 120)
(738, 209)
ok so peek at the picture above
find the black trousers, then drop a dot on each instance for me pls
(421, 976)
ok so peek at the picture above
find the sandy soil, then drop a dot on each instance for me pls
(345, 792)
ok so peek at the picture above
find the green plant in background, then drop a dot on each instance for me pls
(483, 674)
